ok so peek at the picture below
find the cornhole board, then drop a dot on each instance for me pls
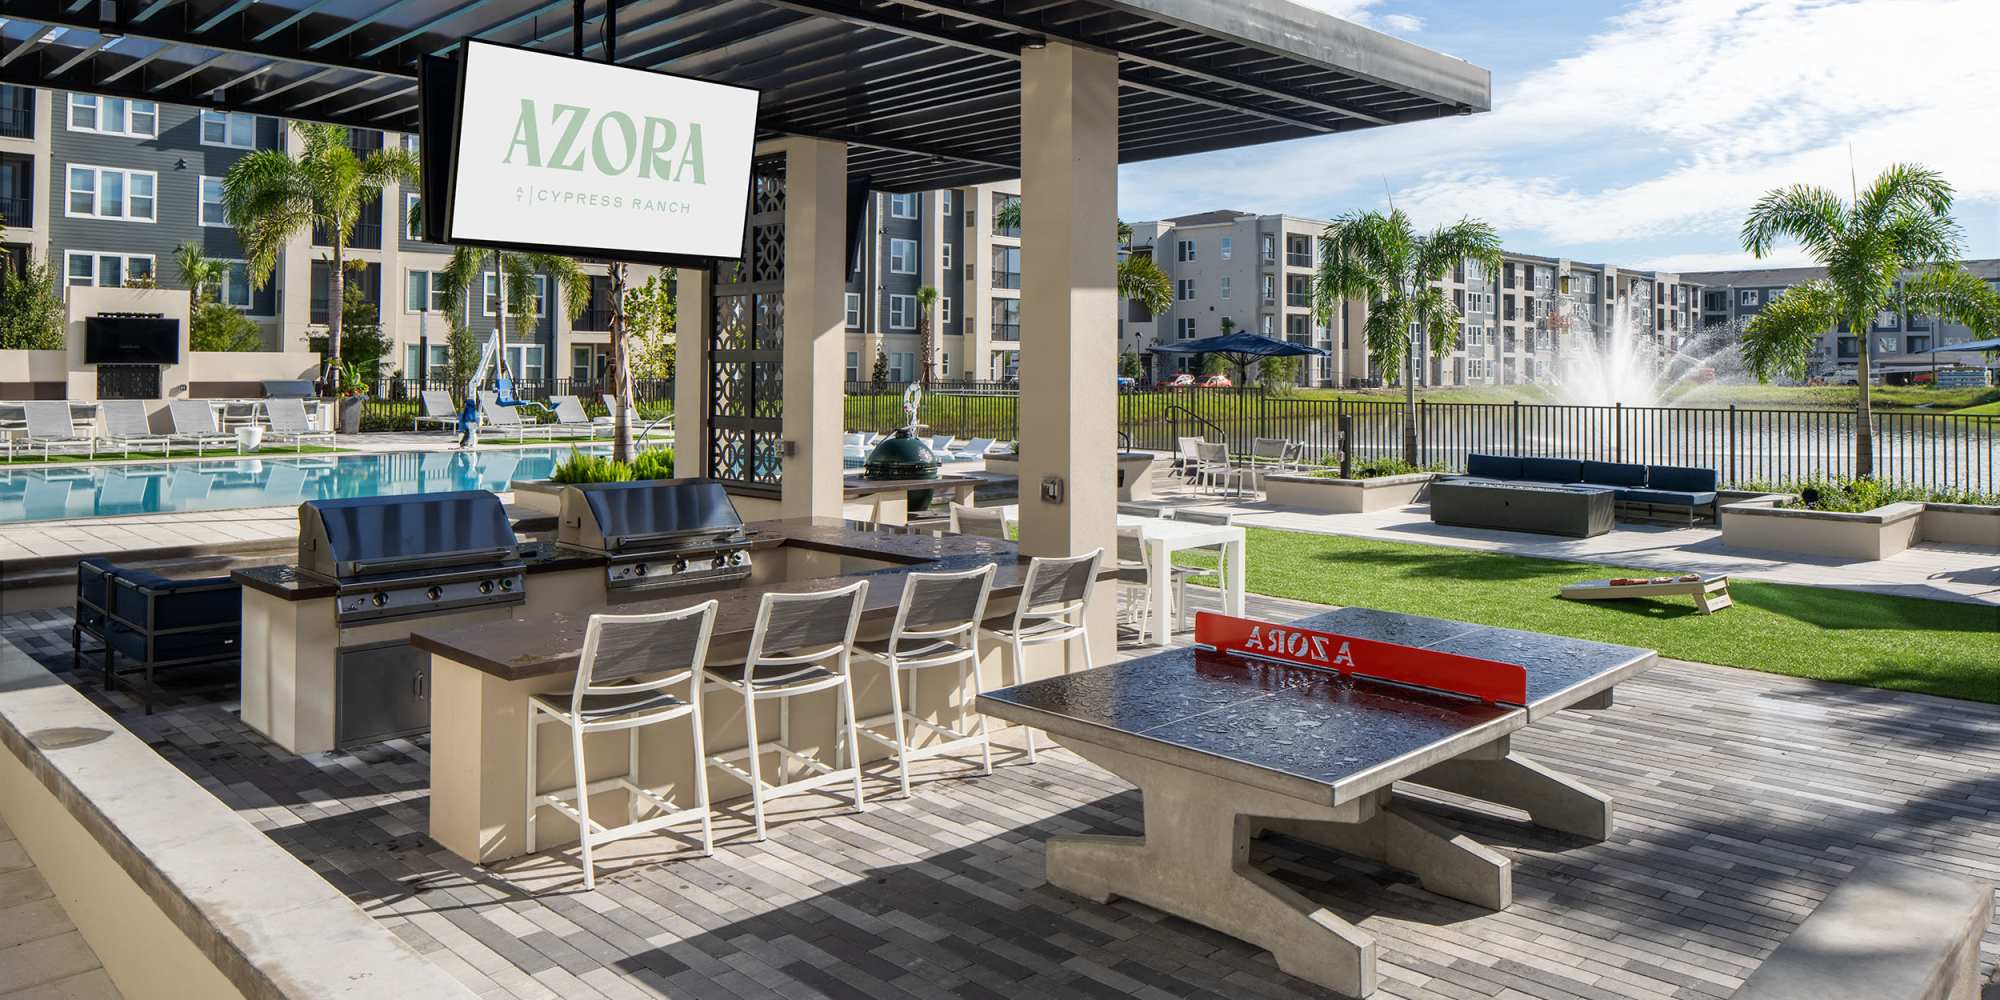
(1710, 593)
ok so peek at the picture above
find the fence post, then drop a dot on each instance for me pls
(1517, 428)
(1345, 423)
(1423, 428)
(1729, 460)
(1618, 431)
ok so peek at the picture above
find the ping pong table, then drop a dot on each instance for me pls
(1305, 728)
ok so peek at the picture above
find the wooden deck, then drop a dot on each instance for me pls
(1742, 799)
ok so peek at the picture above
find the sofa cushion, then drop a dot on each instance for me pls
(211, 643)
(1667, 498)
(181, 603)
(93, 592)
(1681, 478)
(1551, 470)
(1492, 466)
(1614, 474)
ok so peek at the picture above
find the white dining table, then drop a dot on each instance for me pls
(1165, 536)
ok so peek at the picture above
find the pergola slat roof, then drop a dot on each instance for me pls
(926, 91)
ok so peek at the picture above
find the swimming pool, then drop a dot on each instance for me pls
(67, 491)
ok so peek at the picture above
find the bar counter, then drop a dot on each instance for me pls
(483, 673)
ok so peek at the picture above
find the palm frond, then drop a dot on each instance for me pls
(458, 276)
(1812, 215)
(1439, 317)
(1903, 188)
(1955, 295)
(1780, 337)
(1388, 331)
(1139, 278)
(567, 277)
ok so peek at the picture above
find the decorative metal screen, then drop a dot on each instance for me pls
(128, 381)
(746, 356)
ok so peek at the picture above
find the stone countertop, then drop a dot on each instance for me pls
(551, 644)
(856, 486)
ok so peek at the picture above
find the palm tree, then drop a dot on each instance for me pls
(1138, 277)
(269, 197)
(1898, 229)
(199, 272)
(926, 298)
(514, 287)
(1381, 258)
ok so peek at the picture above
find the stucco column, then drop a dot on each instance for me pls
(1069, 322)
(815, 323)
(691, 317)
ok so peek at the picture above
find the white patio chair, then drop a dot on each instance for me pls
(1214, 469)
(941, 446)
(240, 413)
(1055, 600)
(800, 646)
(49, 428)
(193, 422)
(1135, 577)
(937, 625)
(976, 448)
(506, 420)
(1186, 457)
(570, 416)
(984, 522)
(629, 663)
(289, 423)
(437, 411)
(126, 426)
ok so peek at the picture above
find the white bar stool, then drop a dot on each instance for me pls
(628, 663)
(937, 625)
(1055, 597)
(800, 646)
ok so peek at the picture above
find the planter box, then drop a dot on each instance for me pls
(1346, 496)
(537, 496)
(1762, 523)
(1960, 524)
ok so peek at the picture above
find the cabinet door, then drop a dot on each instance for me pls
(383, 692)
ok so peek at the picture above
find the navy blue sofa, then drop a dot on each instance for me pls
(1674, 493)
(156, 623)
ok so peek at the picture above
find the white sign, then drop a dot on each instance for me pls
(565, 153)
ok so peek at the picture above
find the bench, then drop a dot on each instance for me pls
(1889, 932)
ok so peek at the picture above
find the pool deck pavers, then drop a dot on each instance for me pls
(42, 956)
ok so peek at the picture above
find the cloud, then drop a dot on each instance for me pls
(1365, 12)
(1660, 129)
(1402, 24)
(1737, 260)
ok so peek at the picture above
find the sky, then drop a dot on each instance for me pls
(1638, 132)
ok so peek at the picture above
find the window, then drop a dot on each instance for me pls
(1184, 289)
(944, 203)
(1226, 283)
(1006, 267)
(105, 270)
(105, 193)
(1006, 319)
(408, 141)
(1228, 247)
(854, 310)
(944, 309)
(425, 292)
(538, 290)
(526, 361)
(1747, 297)
(944, 255)
(1185, 251)
(210, 210)
(1847, 347)
(412, 230)
(854, 366)
(1919, 345)
(902, 256)
(1270, 289)
(1184, 328)
(903, 206)
(1886, 319)
(234, 288)
(113, 116)
(233, 129)
(1269, 251)
(902, 312)
(902, 366)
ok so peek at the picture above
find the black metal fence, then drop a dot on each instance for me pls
(394, 403)
(1930, 450)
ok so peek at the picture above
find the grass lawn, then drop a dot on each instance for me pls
(211, 454)
(1899, 643)
(1982, 410)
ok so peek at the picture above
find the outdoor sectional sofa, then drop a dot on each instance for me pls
(1673, 493)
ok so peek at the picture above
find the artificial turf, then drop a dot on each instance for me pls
(1875, 640)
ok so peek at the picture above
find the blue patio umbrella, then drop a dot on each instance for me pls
(1970, 345)
(1242, 348)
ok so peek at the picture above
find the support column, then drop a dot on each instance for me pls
(1069, 323)
(815, 323)
(691, 318)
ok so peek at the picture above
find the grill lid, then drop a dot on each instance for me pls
(649, 514)
(373, 536)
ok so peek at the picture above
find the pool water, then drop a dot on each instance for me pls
(58, 492)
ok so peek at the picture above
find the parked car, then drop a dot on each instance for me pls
(1216, 382)
(1127, 383)
(1184, 380)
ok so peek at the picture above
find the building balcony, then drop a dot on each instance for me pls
(1298, 260)
(17, 212)
(1006, 279)
(1007, 331)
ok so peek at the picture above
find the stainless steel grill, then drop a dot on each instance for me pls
(403, 556)
(657, 534)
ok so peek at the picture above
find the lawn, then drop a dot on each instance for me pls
(1899, 643)
(212, 454)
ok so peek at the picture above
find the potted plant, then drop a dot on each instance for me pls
(353, 392)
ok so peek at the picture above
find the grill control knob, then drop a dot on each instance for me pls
(381, 598)
(738, 558)
(434, 592)
(485, 586)
(680, 565)
(507, 583)
(638, 569)
(721, 561)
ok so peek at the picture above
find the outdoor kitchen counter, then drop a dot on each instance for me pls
(482, 675)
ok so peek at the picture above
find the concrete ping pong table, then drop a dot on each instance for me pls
(1281, 728)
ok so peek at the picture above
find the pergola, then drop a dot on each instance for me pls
(896, 94)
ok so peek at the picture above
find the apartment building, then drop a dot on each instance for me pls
(1527, 324)
(949, 240)
(1730, 297)
(1232, 271)
(106, 189)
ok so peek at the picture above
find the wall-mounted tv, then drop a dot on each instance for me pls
(131, 340)
(548, 152)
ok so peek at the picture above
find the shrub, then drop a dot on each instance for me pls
(580, 468)
(217, 327)
(1376, 468)
(1855, 496)
(31, 310)
(653, 463)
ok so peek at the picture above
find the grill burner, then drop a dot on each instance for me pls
(658, 533)
(402, 556)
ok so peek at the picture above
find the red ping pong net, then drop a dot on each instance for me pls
(1489, 681)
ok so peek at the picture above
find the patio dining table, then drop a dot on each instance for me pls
(1165, 536)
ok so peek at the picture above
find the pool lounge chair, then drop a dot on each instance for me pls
(505, 419)
(50, 428)
(976, 448)
(289, 423)
(126, 426)
(438, 411)
(194, 424)
(570, 416)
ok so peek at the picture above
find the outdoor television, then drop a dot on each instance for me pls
(131, 340)
(588, 159)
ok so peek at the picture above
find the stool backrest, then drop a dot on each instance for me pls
(623, 653)
(1189, 448)
(942, 606)
(1222, 517)
(808, 628)
(1131, 547)
(1058, 587)
(986, 522)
